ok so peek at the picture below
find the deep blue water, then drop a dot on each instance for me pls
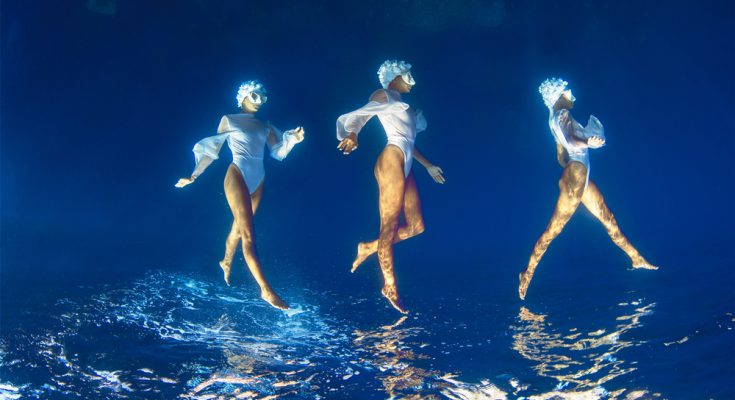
(109, 280)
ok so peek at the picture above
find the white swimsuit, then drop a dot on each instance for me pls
(571, 135)
(247, 137)
(400, 122)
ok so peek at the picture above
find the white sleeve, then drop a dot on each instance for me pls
(570, 133)
(207, 149)
(557, 123)
(594, 128)
(354, 121)
(224, 125)
(286, 143)
(420, 121)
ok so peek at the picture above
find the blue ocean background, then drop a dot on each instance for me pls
(109, 283)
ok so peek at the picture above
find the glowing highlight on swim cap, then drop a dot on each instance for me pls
(254, 91)
(553, 88)
(390, 69)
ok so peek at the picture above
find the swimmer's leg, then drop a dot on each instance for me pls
(593, 200)
(233, 239)
(571, 187)
(391, 182)
(414, 223)
(238, 197)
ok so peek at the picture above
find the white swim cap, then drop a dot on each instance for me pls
(553, 88)
(390, 69)
(252, 89)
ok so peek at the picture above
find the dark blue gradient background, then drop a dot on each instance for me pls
(99, 114)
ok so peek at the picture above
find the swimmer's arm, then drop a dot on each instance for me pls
(436, 172)
(281, 146)
(595, 142)
(576, 132)
(579, 134)
(204, 161)
(573, 131)
(380, 96)
(201, 166)
(224, 125)
(349, 143)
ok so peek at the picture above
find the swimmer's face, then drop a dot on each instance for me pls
(566, 101)
(400, 85)
(249, 106)
(569, 97)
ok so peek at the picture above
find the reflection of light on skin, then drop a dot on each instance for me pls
(393, 357)
(558, 355)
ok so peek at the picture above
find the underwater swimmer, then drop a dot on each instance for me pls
(572, 143)
(247, 137)
(396, 182)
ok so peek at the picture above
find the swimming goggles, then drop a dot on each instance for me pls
(568, 94)
(408, 78)
(257, 98)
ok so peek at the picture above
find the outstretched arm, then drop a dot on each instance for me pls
(206, 151)
(353, 122)
(281, 144)
(435, 172)
(200, 167)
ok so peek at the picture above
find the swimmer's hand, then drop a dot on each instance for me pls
(348, 144)
(595, 142)
(184, 181)
(298, 134)
(436, 174)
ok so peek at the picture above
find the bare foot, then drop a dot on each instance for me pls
(390, 293)
(363, 252)
(641, 263)
(525, 280)
(226, 269)
(272, 298)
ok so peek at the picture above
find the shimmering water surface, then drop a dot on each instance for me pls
(179, 335)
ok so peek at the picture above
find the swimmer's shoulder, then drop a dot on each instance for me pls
(380, 95)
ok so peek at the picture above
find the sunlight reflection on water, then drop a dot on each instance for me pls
(579, 361)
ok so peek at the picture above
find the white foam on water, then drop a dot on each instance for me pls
(459, 390)
(8, 391)
(294, 311)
